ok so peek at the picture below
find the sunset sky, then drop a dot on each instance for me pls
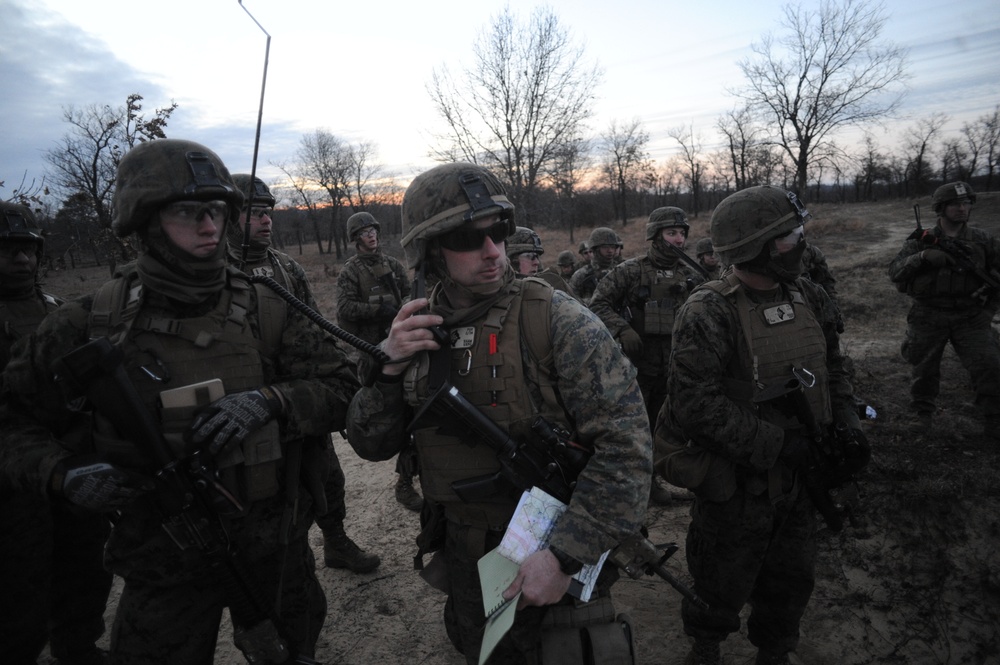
(360, 69)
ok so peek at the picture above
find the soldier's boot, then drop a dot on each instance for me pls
(658, 494)
(704, 652)
(407, 494)
(769, 657)
(339, 551)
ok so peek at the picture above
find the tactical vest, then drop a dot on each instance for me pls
(779, 336)
(661, 293)
(952, 285)
(486, 365)
(373, 288)
(162, 353)
(21, 317)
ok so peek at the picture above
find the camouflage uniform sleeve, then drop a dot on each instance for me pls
(598, 387)
(613, 295)
(376, 421)
(315, 377)
(350, 305)
(402, 278)
(577, 279)
(706, 340)
(34, 415)
(907, 264)
(303, 290)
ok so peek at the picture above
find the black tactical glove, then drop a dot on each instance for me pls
(795, 450)
(387, 311)
(938, 258)
(631, 343)
(231, 419)
(90, 482)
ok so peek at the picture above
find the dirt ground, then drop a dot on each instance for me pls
(915, 581)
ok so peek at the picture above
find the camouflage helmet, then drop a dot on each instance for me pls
(744, 222)
(951, 191)
(565, 258)
(602, 235)
(704, 246)
(446, 197)
(261, 194)
(156, 173)
(584, 247)
(523, 240)
(360, 221)
(17, 222)
(664, 218)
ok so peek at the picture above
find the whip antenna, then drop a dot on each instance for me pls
(256, 142)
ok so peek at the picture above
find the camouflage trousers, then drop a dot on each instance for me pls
(333, 519)
(745, 550)
(54, 584)
(179, 623)
(928, 332)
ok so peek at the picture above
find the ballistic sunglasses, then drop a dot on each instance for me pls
(468, 238)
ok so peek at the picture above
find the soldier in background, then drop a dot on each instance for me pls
(814, 267)
(184, 320)
(519, 350)
(951, 272)
(339, 550)
(707, 258)
(605, 245)
(566, 264)
(752, 537)
(54, 584)
(585, 253)
(524, 251)
(638, 299)
(370, 290)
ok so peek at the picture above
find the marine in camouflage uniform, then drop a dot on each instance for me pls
(370, 290)
(524, 251)
(707, 258)
(815, 267)
(585, 253)
(946, 270)
(531, 351)
(752, 537)
(262, 260)
(181, 316)
(55, 586)
(605, 246)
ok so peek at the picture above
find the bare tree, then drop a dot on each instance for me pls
(829, 70)
(917, 143)
(566, 173)
(624, 145)
(524, 97)
(691, 156)
(981, 141)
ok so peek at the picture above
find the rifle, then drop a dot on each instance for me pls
(688, 260)
(553, 467)
(962, 256)
(834, 458)
(191, 500)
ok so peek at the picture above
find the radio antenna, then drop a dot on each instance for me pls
(245, 249)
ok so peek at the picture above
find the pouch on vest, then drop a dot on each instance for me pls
(257, 478)
(590, 634)
(659, 317)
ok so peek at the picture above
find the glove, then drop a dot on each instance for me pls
(90, 482)
(795, 450)
(229, 420)
(387, 311)
(631, 343)
(937, 258)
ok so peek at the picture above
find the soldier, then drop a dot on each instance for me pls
(752, 532)
(339, 551)
(707, 258)
(637, 301)
(370, 290)
(585, 253)
(183, 327)
(814, 267)
(524, 251)
(952, 273)
(605, 245)
(566, 264)
(531, 351)
(55, 586)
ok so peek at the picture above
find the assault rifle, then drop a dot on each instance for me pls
(688, 260)
(190, 498)
(552, 463)
(956, 250)
(834, 457)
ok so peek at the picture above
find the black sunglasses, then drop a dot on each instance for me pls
(468, 238)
